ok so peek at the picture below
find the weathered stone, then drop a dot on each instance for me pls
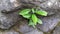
(57, 30)
(9, 32)
(9, 5)
(7, 20)
(51, 6)
(25, 29)
(49, 22)
(48, 5)
(35, 32)
(23, 26)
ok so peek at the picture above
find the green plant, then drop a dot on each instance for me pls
(30, 14)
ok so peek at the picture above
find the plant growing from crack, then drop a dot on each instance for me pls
(30, 14)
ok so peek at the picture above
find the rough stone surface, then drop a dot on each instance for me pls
(8, 5)
(24, 27)
(9, 32)
(35, 32)
(57, 30)
(48, 5)
(51, 6)
(7, 20)
(49, 22)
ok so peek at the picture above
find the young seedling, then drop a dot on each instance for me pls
(30, 14)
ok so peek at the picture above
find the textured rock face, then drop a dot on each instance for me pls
(57, 30)
(49, 22)
(8, 32)
(52, 7)
(7, 20)
(48, 5)
(8, 5)
(23, 27)
(35, 32)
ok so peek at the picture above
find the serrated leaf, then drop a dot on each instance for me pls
(25, 11)
(31, 23)
(34, 19)
(41, 12)
(27, 16)
(40, 21)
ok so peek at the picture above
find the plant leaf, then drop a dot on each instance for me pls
(34, 19)
(40, 21)
(25, 11)
(33, 10)
(27, 16)
(31, 23)
(41, 12)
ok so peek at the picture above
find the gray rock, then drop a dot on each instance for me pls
(9, 32)
(51, 6)
(24, 27)
(35, 32)
(7, 20)
(41, 1)
(57, 30)
(8, 5)
(48, 5)
(49, 22)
